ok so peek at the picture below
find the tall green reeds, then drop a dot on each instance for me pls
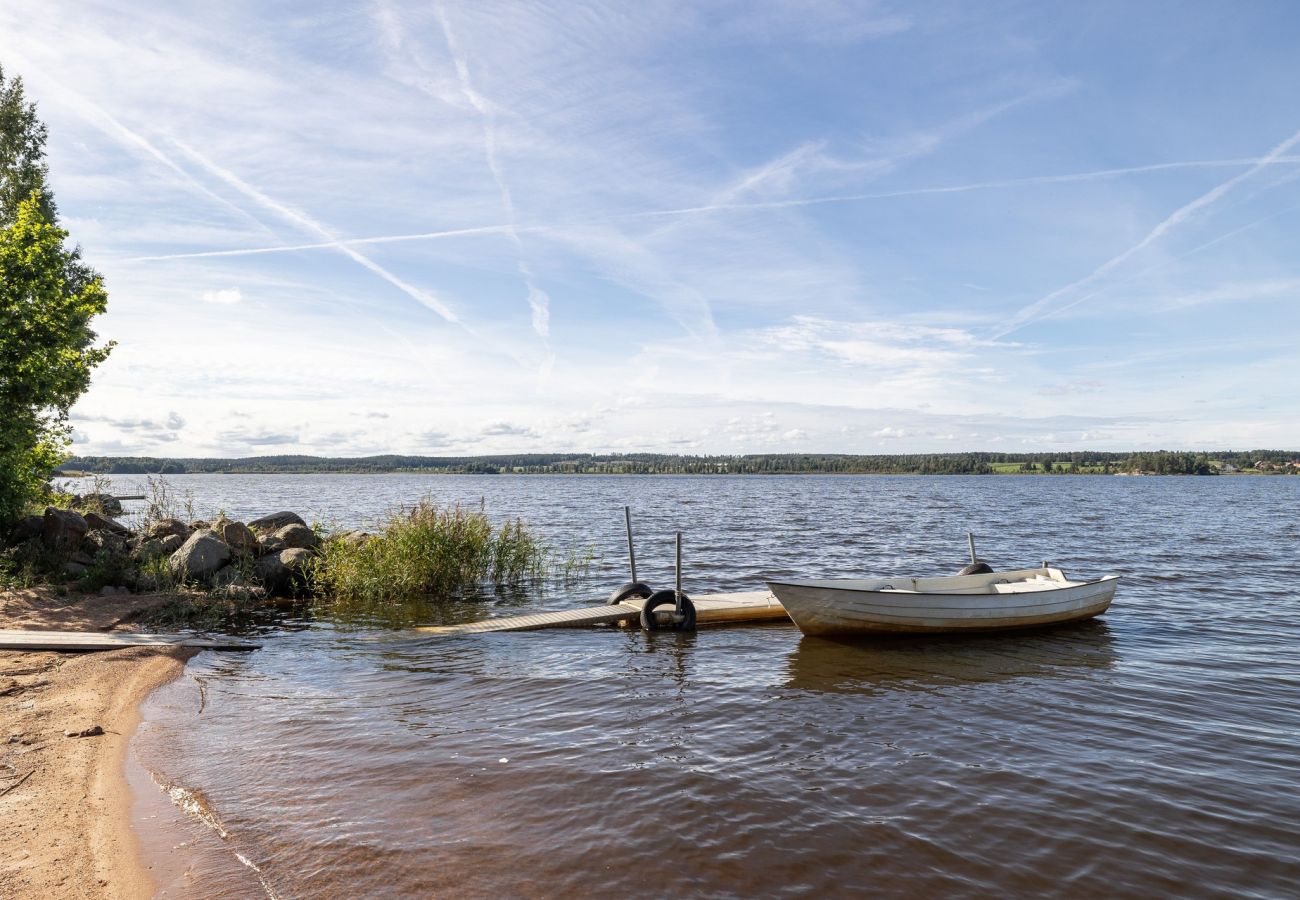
(427, 551)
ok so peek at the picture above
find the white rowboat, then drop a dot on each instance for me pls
(1024, 598)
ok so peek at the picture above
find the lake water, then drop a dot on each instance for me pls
(1152, 751)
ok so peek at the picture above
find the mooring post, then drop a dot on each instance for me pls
(678, 589)
(970, 539)
(631, 554)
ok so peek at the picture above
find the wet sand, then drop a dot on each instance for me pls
(66, 803)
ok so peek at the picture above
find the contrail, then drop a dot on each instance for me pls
(538, 300)
(1039, 307)
(506, 228)
(330, 245)
(114, 128)
(302, 220)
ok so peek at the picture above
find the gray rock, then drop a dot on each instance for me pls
(200, 556)
(354, 538)
(164, 527)
(173, 542)
(98, 542)
(274, 575)
(63, 529)
(96, 522)
(82, 558)
(28, 527)
(152, 549)
(107, 503)
(75, 569)
(276, 521)
(295, 558)
(108, 591)
(238, 536)
(295, 536)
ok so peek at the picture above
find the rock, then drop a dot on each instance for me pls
(103, 542)
(92, 731)
(164, 527)
(96, 522)
(276, 521)
(105, 503)
(63, 529)
(295, 558)
(295, 536)
(200, 556)
(271, 572)
(199, 524)
(173, 542)
(238, 536)
(28, 527)
(354, 538)
(150, 550)
(75, 569)
(108, 591)
(82, 558)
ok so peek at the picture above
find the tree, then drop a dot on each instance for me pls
(48, 298)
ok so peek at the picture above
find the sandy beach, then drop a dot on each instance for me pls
(64, 800)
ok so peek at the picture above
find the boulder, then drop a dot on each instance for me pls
(151, 549)
(292, 537)
(96, 522)
(199, 524)
(63, 529)
(354, 538)
(238, 536)
(274, 575)
(172, 542)
(75, 569)
(202, 554)
(164, 527)
(28, 527)
(276, 521)
(97, 542)
(105, 503)
(295, 558)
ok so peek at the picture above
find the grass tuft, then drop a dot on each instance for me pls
(428, 551)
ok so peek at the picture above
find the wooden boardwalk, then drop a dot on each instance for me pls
(112, 640)
(710, 609)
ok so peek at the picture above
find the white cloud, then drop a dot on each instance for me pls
(223, 297)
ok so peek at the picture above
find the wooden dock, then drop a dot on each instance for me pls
(112, 640)
(710, 609)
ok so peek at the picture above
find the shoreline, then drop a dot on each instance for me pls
(67, 804)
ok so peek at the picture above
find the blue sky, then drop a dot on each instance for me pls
(454, 228)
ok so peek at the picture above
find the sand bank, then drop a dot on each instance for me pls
(66, 805)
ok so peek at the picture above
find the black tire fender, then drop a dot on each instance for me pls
(650, 622)
(633, 590)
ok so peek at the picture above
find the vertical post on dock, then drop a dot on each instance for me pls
(631, 553)
(678, 595)
(970, 539)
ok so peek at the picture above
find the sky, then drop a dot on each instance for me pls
(696, 227)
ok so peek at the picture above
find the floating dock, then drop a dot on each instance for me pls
(112, 640)
(710, 609)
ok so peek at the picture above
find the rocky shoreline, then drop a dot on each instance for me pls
(268, 558)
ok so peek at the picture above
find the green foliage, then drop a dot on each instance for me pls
(47, 300)
(429, 551)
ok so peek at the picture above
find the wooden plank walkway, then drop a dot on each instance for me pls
(710, 609)
(112, 640)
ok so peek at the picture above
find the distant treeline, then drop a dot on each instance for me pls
(1161, 462)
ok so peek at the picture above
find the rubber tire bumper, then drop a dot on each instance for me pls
(650, 622)
(633, 590)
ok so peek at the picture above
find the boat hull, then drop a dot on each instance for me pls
(824, 609)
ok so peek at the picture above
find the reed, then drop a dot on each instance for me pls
(428, 551)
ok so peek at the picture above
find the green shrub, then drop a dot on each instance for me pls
(427, 551)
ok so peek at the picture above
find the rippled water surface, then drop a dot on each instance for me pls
(1152, 751)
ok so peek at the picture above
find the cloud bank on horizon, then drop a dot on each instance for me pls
(723, 227)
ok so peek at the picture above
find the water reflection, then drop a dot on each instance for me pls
(873, 665)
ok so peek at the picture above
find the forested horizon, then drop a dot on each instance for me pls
(1162, 462)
